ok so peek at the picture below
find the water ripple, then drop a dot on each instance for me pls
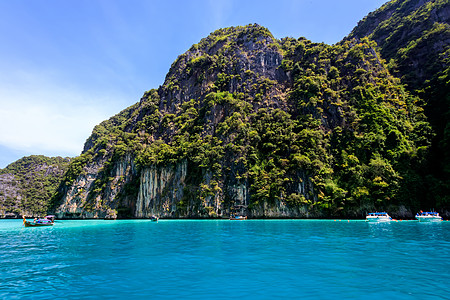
(221, 259)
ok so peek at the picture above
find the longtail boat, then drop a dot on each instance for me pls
(47, 221)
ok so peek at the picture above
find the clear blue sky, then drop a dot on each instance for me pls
(67, 65)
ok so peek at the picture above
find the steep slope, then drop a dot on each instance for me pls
(27, 185)
(414, 36)
(274, 128)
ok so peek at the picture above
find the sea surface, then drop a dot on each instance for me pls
(222, 259)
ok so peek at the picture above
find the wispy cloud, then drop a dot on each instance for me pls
(39, 116)
(220, 12)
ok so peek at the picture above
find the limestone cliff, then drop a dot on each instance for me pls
(414, 37)
(414, 34)
(270, 128)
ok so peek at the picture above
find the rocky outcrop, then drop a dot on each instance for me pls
(76, 196)
(413, 33)
(160, 190)
(83, 198)
(251, 124)
(10, 196)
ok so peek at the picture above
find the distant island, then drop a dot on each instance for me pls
(249, 124)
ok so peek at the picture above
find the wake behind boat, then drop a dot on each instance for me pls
(428, 216)
(378, 217)
(47, 221)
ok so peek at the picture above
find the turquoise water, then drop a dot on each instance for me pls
(256, 259)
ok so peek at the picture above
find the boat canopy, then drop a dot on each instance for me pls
(43, 221)
(431, 213)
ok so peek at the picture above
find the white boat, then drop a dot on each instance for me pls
(378, 217)
(428, 216)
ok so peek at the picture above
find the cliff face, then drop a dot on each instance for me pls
(230, 62)
(10, 196)
(161, 192)
(414, 36)
(270, 128)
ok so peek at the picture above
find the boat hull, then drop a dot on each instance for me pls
(38, 223)
(378, 217)
(238, 218)
(30, 224)
(429, 219)
(429, 216)
(378, 220)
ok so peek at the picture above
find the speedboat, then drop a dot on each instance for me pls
(429, 216)
(378, 217)
(47, 221)
(236, 217)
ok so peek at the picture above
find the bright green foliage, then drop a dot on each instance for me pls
(414, 36)
(313, 126)
(36, 179)
(372, 122)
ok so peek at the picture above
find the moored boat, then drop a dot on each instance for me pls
(47, 221)
(238, 212)
(154, 218)
(378, 217)
(235, 217)
(428, 216)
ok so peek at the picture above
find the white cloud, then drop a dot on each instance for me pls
(39, 116)
(38, 125)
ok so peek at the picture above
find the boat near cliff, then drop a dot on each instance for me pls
(47, 221)
(238, 218)
(428, 216)
(238, 212)
(378, 217)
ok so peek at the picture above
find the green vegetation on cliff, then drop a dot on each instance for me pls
(27, 185)
(301, 125)
(414, 36)
(286, 128)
